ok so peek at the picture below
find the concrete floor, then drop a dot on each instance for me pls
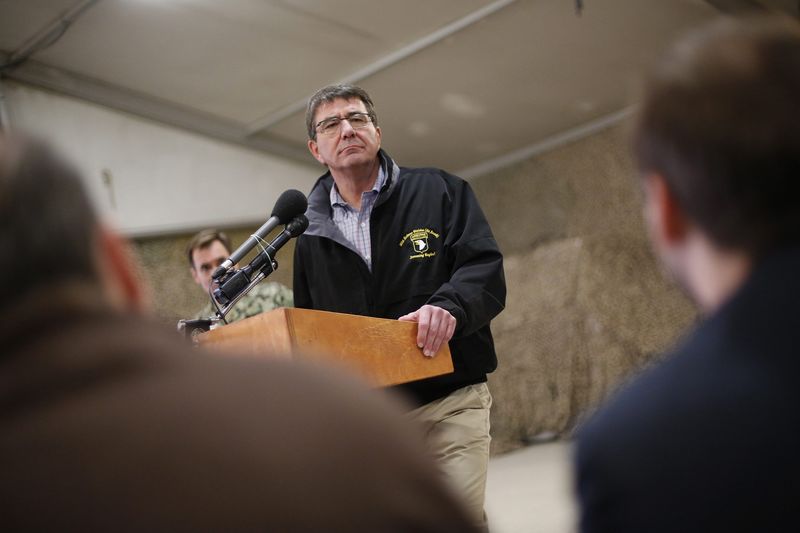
(530, 490)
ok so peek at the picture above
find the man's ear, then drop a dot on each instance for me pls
(666, 220)
(314, 149)
(118, 272)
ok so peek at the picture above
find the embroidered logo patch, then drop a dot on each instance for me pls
(420, 244)
(419, 240)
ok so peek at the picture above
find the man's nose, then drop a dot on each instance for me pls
(346, 129)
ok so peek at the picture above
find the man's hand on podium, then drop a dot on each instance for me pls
(434, 327)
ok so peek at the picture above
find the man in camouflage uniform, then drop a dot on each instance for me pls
(206, 251)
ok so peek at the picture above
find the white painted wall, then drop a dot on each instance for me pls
(163, 179)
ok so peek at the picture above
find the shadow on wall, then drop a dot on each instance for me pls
(587, 304)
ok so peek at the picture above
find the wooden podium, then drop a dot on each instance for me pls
(383, 351)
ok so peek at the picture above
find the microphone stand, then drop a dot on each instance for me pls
(263, 263)
(222, 313)
(192, 327)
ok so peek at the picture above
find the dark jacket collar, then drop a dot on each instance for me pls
(762, 310)
(776, 276)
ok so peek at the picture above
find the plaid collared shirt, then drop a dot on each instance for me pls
(353, 224)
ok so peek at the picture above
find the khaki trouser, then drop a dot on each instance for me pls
(458, 436)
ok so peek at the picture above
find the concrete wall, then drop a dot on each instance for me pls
(155, 179)
(586, 301)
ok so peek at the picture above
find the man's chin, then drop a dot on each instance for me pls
(355, 159)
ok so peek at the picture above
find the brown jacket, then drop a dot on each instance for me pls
(109, 423)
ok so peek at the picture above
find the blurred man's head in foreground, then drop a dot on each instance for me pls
(718, 144)
(50, 235)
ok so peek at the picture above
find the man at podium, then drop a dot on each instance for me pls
(409, 244)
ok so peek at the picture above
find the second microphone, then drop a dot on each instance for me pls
(236, 283)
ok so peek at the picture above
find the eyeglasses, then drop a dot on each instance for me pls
(332, 126)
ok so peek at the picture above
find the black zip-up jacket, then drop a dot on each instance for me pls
(431, 244)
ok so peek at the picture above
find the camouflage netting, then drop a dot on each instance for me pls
(587, 305)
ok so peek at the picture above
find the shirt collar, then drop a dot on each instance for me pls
(336, 198)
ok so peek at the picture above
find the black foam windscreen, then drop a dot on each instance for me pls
(289, 205)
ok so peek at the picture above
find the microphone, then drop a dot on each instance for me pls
(289, 204)
(231, 288)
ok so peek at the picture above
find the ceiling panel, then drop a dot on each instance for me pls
(519, 76)
(239, 59)
(526, 72)
(23, 18)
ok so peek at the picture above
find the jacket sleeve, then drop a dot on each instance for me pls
(302, 293)
(476, 291)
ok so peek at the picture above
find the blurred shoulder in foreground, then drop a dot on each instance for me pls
(707, 440)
